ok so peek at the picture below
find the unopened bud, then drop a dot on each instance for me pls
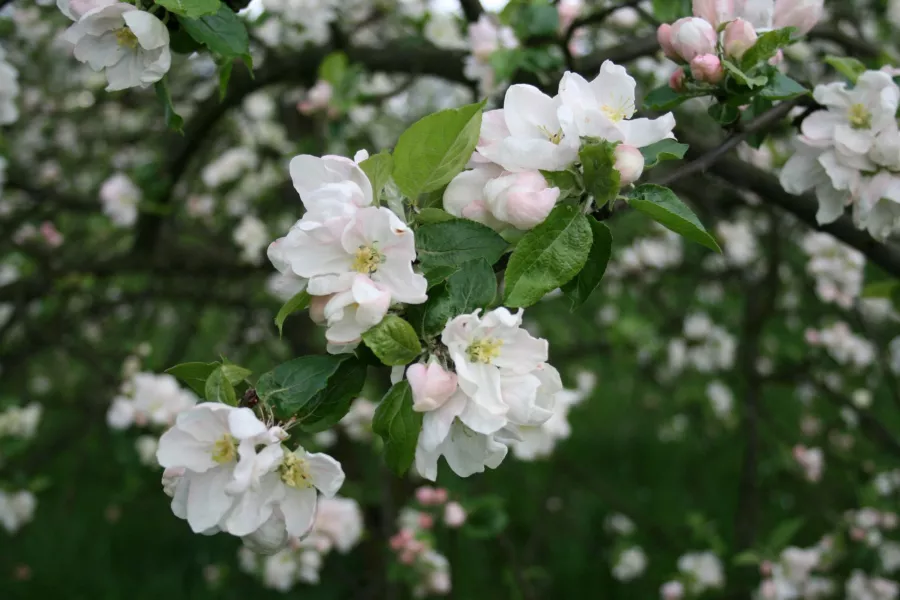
(693, 37)
(708, 68)
(521, 199)
(629, 164)
(664, 37)
(431, 385)
(739, 37)
(676, 80)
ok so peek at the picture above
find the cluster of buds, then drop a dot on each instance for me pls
(694, 42)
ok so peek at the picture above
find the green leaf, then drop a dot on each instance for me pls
(568, 182)
(193, 374)
(878, 289)
(724, 113)
(747, 558)
(540, 19)
(668, 11)
(439, 275)
(667, 149)
(330, 405)
(847, 66)
(219, 389)
(548, 256)
(299, 302)
(393, 341)
(173, 119)
(224, 70)
(663, 206)
(433, 215)
(782, 535)
(224, 33)
(663, 98)
(434, 149)
(292, 387)
(782, 87)
(766, 46)
(190, 8)
(743, 78)
(579, 289)
(235, 374)
(472, 286)
(378, 169)
(333, 68)
(451, 243)
(601, 179)
(182, 43)
(398, 425)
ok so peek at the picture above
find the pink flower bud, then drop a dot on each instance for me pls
(317, 99)
(765, 568)
(629, 164)
(715, 12)
(693, 37)
(440, 496)
(317, 309)
(398, 541)
(425, 494)
(415, 546)
(812, 337)
(426, 521)
(777, 59)
(739, 37)
(407, 558)
(708, 68)
(454, 514)
(857, 534)
(672, 590)
(521, 199)
(802, 14)
(664, 37)
(51, 234)
(431, 385)
(676, 80)
(768, 589)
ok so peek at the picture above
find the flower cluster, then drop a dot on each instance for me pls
(120, 198)
(16, 509)
(354, 257)
(130, 44)
(149, 400)
(843, 345)
(338, 526)
(811, 460)
(792, 575)
(485, 38)
(724, 30)
(863, 587)
(850, 153)
(228, 471)
(836, 268)
(9, 91)
(701, 571)
(20, 421)
(499, 381)
(705, 346)
(534, 132)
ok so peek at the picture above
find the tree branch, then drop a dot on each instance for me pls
(471, 9)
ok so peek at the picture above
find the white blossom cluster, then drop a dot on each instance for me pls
(486, 37)
(539, 442)
(811, 461)
(504, 187)
(792, 576)
(20, 421)
(120, 198)
(647, 255)
(844, 346)
(338, 526)
(355, 258)
(16, 509)
(9, 92)
(131, 45)
(630, 564)
(500, 381)
(863, 587)
(228, 471)
(703, 346)
(702, 571)
(149, 400)
(850, 153)
(868, 525)
(836, 268)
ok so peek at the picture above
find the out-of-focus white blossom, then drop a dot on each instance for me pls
(630, 564)
(16, 509)
(120, 198)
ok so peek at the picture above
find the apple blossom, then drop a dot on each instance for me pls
(672, 590)
(252, 237)
(431, 385)
(704, 569)
(120, 198)
(630, 564)
(664, 37)
(317, 98)
(132, 45)
(20, 422)
(454, 514)
(464, 196)
(16, 509)
(707, 68)
(716, 12)
(691, 37)
(676, 80)
(739, 37)
(801, 14)
(521, 199)
(149, 399)
(629, 163)
(9, 91)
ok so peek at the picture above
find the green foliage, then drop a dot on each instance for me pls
(569, 183)
(223, 69)
(663, 206)
(766, 46)
(438, 275)
(667, 149)
(378, 169)
(190, 8)
(782, 87)
(548, 256)
(451, 243)
(393, 341)
(219, 389)
(580, 288)
(724, 114)
(298, 302)
(601, 179)
(193, 374)
(435, 148)
(224, 33)
(743, 78)
(330, 405)
(669, 11)
(311, 387)
(664, 98)
(473, 285)
(532, 18)
(398, 426)
(173, 119)
(433, 215)
(234, 374)
(333, 68)
(849, 67)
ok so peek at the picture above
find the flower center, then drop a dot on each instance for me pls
(618, 113)
(484, 351)
(224, 450)
(295, 471)
(125, 37)
(556, 138)
(366, 260)
(860, 117)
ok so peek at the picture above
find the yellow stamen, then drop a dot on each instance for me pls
(484, 351)
(367, 260)
(126, 37)
(225, 449)
(295, 471)
(859, 116)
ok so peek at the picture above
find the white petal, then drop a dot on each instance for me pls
(254, 507)
(529, 113)
(299, 508)
(177, 448)
(643, 132)
(150, 31)
(244, 424)
(207, 501)
(326, 473)
(436, 423)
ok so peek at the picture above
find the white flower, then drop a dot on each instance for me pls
(132, 45)
(16, 509)
(9, 91)
(630, 564)
(330, 186)
(464, 196)
(20, 422)
(466, 452)
(146, 446)
(862, 587)
(120, 198)
(151, 399)
(340, 520)
(252, 237)
(603, 108)
(442, 30)
(357, 423)
(889, 555)
(620, 524)
(721, 399)
(538, 138)
(521, 199)
(704, 569)
(539, 441)
(485, 37)
(229, 166)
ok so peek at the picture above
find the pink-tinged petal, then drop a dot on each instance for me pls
(436, 424)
